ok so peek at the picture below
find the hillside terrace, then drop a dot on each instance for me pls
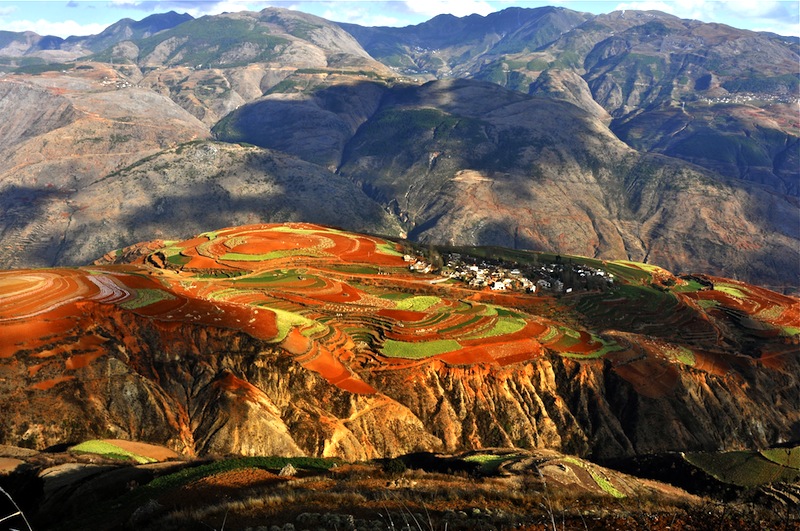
(500, 275)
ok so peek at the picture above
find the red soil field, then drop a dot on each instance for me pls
(650, 377)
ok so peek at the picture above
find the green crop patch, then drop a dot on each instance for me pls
(502, 326)
(286, 320)
(419, 303)
(728, 289)
(109, 450)
(788, 457)
(601, 481)
(146, 297)
(490, 463)
(418, 350)
(744, 468)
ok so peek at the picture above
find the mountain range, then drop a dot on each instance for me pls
(632, 135)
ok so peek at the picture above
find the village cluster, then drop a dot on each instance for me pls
(498, 275)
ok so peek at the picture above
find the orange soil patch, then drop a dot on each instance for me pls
(239, 387)
(194, 242)
(266, 242)
(197, 261)
(649, 377)
(711, 363)
(296, 343)
(329, 367)
(16, 335)
(338, 292)
(467, 356)
(211, 490)
(159, 453)
(79, 361)
(49, 384)
(9, 464)
(35, 293)
(360, 249)
(34, 369)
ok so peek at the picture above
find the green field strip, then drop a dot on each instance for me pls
(395, 296)
(460, 326)
(742, 468)
(771, 313)
(272, 276)
(502, 326)
(731, 290)
(388, 248)
(490, 463)
(419, 303)
(788, 457)
(111, 451)
(286, 320)
(601, 481)
(287, 253)
(418, 350)
(689, 287)
(681, 354)
(146, 297)
(790, 331)
(551, 334)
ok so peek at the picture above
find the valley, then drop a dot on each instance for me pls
(532, 270)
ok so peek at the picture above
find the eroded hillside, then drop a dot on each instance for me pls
(303, 340)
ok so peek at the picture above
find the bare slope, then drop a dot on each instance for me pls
(470, 162)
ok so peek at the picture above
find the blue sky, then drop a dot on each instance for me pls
(89, 17)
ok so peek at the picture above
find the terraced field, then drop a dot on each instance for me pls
(335, 301)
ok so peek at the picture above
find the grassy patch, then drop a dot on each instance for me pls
(681, 354)
(286, 320)
(489, 462)
(283, 253)
(790, 330)
(354, 268)
(111, 451)
(503, 326)
(745, 468)
(146, 297)
(601, 481)
(419, 303)
(418, 350)
(788, 457)
(730, 290)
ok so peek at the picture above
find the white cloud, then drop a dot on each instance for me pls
(63, 28)
(750, 8)
(7, 10)
(459, 8)
(693, 9)
(777, 16)
(364, 17)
